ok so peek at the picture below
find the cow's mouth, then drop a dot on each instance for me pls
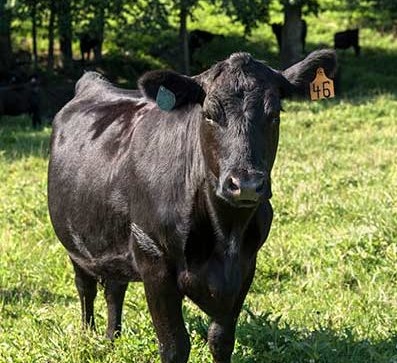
(246, 204)
(239, 203)
(247, 200)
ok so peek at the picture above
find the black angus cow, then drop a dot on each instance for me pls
(277, 29)
(88, 42)
(198, 38)
(172, 189)
(21, 98)
(346, 39)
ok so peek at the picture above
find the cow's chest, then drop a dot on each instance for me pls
(214, 285)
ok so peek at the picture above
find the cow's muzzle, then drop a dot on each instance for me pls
(247, 190)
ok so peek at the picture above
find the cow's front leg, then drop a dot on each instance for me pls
(165, 305)
(221, 338)
(221, 332)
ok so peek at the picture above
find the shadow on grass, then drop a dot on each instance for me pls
(21, 295)
(261, 339)
(19, 140)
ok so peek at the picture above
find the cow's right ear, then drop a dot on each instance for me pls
(170, 90)
(302, 73)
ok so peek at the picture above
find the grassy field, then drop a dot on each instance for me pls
(325, 288)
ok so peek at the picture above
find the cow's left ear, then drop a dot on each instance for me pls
(302, 73)
(170, 90)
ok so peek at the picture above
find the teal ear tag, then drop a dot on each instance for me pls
(165, 99)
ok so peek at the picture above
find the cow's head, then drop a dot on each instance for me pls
(240, 104)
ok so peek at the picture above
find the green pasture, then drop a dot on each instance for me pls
(325, 288)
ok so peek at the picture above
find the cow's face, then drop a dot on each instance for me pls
(240, 115)
(239, 132)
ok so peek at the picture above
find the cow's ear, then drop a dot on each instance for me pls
(170, 90)
(302, 73)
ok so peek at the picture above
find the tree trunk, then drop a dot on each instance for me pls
(33, 13)
(291, 45)
(99, 30)
(184, 38)
(5, 38)
(51, 26)
(65, 32)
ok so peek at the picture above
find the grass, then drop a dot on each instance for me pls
(325, 286)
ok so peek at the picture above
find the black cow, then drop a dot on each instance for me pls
(172, 189)
(198, 38)
(277, 29)
(346, 39)
(21, 98)
(88, 42)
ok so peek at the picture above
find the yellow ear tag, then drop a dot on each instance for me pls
(321, 87)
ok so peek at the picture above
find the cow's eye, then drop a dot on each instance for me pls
(210, 121)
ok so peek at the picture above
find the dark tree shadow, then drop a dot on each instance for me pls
(262, 339)
(18, 139)
(16, 295)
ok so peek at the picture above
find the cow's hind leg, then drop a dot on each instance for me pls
(87, 289)
(114, 295)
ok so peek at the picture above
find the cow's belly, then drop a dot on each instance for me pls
(109, 266)
(112, 261)
(101, 249)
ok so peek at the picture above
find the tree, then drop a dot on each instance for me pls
(65, 29)
(51, 35)
(292, 47)
(5, 37)
(33, 15)
(247, 12)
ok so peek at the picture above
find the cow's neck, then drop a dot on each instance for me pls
(230, 222)
(214, 253)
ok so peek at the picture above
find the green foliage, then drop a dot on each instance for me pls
(248, 12)
(308, 6)
(379, 14)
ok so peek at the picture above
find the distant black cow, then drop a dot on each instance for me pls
(88, 42)
(22, 57)
(173, 189)
(277, 29)
(346, 39)
(21, 98)
(198, 38)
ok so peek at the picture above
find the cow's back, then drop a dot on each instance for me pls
(86, 190)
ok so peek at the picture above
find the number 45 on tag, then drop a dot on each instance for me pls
(322, 86)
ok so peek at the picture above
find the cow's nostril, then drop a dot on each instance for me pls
(233, 185)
